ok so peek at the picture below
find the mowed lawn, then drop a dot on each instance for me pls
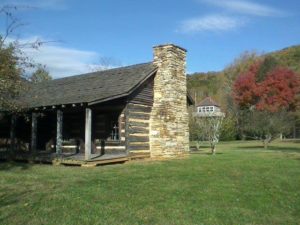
(242, 184)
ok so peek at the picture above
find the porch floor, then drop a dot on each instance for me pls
(96, 159)
(70, 158)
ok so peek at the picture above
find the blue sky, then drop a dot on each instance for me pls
(114, 32)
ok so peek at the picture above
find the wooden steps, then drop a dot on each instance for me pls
(93, 163)
(139, 156)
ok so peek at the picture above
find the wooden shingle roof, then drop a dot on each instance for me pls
(208, 101)
(88, 88)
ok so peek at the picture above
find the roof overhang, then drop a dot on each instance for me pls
(190, 99)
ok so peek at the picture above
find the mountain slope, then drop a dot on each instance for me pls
(215, 84)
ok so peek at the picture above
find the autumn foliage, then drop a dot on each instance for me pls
(270, 90)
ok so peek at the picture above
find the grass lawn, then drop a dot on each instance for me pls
(242, 184)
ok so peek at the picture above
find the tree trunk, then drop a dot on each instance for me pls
(213, 150)
(266, 141)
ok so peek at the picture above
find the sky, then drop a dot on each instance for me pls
(79, 35)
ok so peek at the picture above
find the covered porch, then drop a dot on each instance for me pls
(71, 134)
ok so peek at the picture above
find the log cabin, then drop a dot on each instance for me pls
(127, 112)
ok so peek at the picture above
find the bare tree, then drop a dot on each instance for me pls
(104, 63)
(209, 125)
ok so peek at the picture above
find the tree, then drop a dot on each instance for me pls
(13, 61)
(272, 91)
(240, 65)
(40, 75)
(265, 95)
(228, 130)
(209, 129)
(266, 126)
(10, 77)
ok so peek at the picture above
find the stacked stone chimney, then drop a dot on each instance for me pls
(169, 132)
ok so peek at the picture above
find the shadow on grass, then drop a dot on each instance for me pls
(201, 147)
(291, 140)
(10, 198)
(5, 165)
(271, 148)
(217, 153)
(204, 152)
(288, 149)
(250, 147)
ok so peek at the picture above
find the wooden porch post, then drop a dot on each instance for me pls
(33, 132)
(127, 128)
(88, 133)
(59, 128)
(13, 132)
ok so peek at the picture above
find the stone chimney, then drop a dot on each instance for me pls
(169, 131)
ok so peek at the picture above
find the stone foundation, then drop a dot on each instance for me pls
(169, 131)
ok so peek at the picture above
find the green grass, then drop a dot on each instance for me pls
(242, 184)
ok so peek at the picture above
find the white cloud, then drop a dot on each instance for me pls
(62, 61)
(210, 23)
(246, 7)
(235, 14)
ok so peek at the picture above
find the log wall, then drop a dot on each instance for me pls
(137, 119)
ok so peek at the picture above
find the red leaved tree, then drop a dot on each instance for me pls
(266, 94)
(245, 88)
(277, 91)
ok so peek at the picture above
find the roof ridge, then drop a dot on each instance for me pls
(100, 71)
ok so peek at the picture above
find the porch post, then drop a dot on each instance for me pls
(13, 132)
(59, 127)
(33, 132)
(88, 133)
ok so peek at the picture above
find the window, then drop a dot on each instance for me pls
(206, 109)
(113, 127)
(114, 131)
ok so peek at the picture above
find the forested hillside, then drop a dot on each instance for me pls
(218, 85)
(289, 57)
